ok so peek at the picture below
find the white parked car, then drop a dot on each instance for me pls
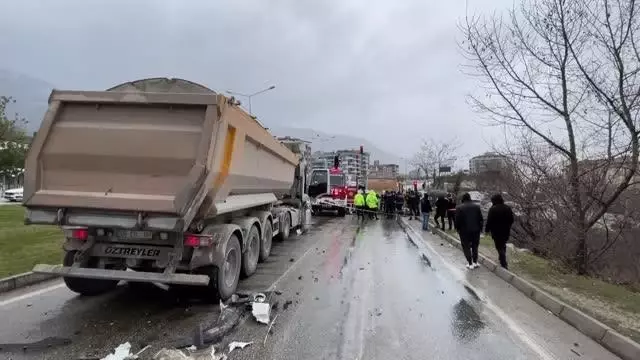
(13, 195)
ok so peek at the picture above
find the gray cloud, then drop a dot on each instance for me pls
(388, 71)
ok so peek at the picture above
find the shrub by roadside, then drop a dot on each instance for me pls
(21, 246)
(615, 305)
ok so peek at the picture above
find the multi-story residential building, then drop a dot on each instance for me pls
(383, 171)
(306, 152)
(354, 164)
(487, 162)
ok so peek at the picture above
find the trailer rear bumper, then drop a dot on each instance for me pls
(106, 274)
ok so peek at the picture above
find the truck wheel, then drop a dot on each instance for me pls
(267, 241)
(252, 253)
(285, 228)
(228, 275)
(86, 287)
(342, 212)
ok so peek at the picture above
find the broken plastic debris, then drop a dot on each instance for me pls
(238, 344)
(174, 354)
(261, 311)
(121, 352)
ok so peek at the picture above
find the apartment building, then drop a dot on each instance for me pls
(354, 164)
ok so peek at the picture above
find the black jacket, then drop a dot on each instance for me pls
(469, 218)
(425, 205)
(441, 206)
(499, 221)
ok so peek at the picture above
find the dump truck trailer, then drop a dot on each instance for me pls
(161, 180)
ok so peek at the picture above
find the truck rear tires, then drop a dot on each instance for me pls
(267, 241)
(227, 276)
(252, 252)
(285, 228)
(86, 287)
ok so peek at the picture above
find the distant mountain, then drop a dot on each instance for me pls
(31, 96)
(328, 142)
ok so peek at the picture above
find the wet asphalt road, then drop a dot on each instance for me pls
(344, 291)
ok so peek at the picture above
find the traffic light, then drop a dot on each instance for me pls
(361, 149)
(336, 162)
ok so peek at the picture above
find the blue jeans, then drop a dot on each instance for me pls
(425, 221)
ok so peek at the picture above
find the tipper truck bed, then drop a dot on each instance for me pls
(164, 177)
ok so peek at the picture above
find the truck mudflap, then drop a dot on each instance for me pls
(106, 274)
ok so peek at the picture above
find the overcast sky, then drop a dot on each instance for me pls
(385, 70)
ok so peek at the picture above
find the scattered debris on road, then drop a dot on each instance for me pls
(238, 345)
(260, 309)
(175, 354)
(123, 352)
(269, 329)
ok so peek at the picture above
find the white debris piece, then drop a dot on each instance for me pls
(174, 354)
(260, 309)
(238, 344)
(122, 352)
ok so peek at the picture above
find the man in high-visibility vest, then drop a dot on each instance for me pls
(359, 202)
(372, 204)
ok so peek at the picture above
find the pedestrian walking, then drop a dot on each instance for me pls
(499, 222)
(441, 211)
(425, 207)
(469, 225)
(451, 210)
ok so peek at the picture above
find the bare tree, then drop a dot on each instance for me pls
(566, 73)
(435, 154)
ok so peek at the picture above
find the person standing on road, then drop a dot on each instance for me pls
(399, 202)
(499, 222)
(415, 204)
(441, 211)
(372, 204)
(469, 225)
(358, 202)
(425, 206)
(451, 210)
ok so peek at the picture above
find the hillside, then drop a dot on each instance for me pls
(31, 96)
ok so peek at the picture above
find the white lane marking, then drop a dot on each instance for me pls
(513, 326)
(293, 266)
(31, 294)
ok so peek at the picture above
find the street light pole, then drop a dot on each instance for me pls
(249, 96)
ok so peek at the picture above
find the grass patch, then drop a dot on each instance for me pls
(615, 305)
(21, 246)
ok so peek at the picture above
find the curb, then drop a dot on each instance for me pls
(610, 339)
(22, 280)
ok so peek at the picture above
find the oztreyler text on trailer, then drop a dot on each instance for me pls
(164, 177)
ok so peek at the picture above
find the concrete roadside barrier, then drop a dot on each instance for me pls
(613, 341)
(21, 280)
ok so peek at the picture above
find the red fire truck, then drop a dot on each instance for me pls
(329, 191)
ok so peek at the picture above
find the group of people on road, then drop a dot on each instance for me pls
(468, 221)
(366, 204)
(466, 218)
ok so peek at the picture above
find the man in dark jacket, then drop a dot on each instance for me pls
(469, 225)
(499, 222)
(399, 202)
(451, 210)
(441, 211)
(425, 207)
(414, 204)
